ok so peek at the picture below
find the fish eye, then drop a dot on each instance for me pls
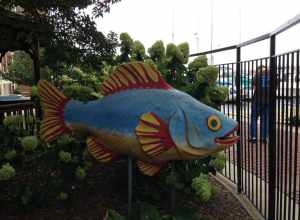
(214, 123)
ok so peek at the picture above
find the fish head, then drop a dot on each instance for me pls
(199, 130)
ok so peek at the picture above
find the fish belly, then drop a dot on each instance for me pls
(129, 145)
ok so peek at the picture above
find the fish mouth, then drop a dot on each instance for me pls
(228, 138)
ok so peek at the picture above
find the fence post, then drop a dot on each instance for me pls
(238, 118)
(272, 130)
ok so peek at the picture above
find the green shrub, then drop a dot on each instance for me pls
(34, 92)
(78, 92)
(218, 162)
(62, 196)
(51, 172)
(64, 140)
(7, 172)
(29, 143)
(27, 196)
(197, 63)
(113, 215)
(203, 188)
(80, 173)
(13, 122)
(11, 154)
(146, 211)
(207, 75)
(64, 156)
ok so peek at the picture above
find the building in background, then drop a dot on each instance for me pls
(6, 87)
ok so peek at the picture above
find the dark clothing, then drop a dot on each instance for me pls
(260, 105)
(261, 111)
(261, 83)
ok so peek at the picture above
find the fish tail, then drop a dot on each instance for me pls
(53, 102)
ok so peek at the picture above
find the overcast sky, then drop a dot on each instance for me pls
(233, 21)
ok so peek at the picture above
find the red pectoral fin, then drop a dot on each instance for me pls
(99, 151)
(153, 135)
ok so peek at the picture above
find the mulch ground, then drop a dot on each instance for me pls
(224, 206)
(109, 189)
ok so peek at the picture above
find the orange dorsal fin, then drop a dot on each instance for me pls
(134, 75)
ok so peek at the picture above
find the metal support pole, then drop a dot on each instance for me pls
(129, 187)
(238, 118)
(272, 130)
(36, 60)
(173, 191)
(37, 70)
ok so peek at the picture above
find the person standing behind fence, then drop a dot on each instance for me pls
(260, 104)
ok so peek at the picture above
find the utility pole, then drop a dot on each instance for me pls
(197, 41)
(211, 30)
(240, 24)
(173, 24)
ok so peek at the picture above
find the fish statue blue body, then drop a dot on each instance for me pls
(140, 115)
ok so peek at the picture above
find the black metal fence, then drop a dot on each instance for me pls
(265, 164)
(25, 109)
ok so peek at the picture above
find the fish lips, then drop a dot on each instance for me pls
(228, 139)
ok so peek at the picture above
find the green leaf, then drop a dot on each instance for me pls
(7, 172)
(113, 215)
(29, 143)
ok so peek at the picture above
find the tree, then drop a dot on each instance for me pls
(72, 36)
(197, 63)
(138, 51)
(185, 50)
(126, 45)
(203, 85)
(157, 51)
(20, 70)
(176, 57)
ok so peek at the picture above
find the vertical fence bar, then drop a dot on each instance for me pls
(291, 82)
(254, 111)
(279, 155)
(265, 159)
(247, 134)
(234, 113)
(272, 130)
(296, 137)
(228, 112)
(286, 135)
(238, 118)
(297, 125)
(282, 101)
(244, 137)
(259, 161)
(252, 72)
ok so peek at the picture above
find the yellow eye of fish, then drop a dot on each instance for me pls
(214, 123)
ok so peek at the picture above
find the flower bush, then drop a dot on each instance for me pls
(29, 143)
(203, 188)
(7, 172)
(33, 173)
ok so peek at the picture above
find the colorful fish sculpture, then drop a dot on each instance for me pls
(140, 115)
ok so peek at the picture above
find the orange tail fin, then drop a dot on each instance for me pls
(53, 103)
